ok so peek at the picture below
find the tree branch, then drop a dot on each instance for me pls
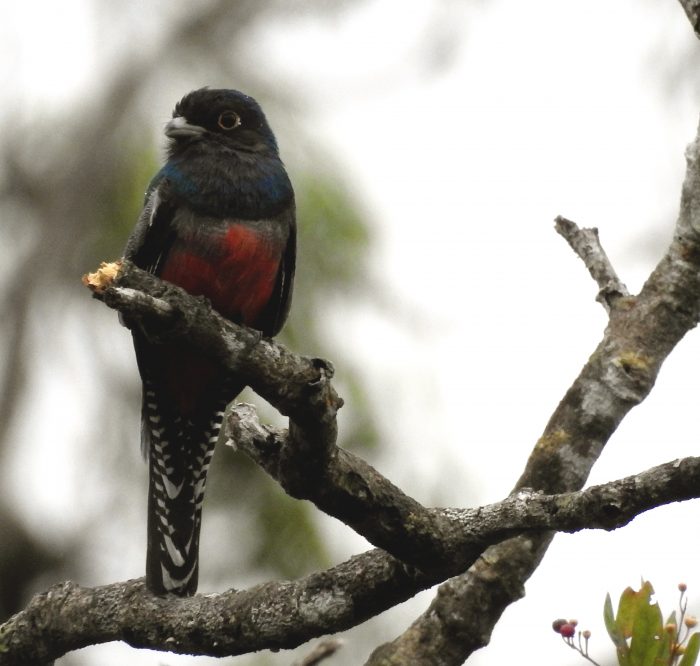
(297, 386)
(285, 614)
(641, 333)
(607, 506)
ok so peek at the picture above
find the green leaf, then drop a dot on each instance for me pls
(648, 636)
(692, 649)
(626, 608)
(637, 630)
(608, 614)
(629, 606)
(614, 632)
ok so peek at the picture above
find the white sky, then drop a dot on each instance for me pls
(548, 108)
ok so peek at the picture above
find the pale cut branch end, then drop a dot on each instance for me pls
(103, 276)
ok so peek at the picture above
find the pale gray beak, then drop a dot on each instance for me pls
(178, 127)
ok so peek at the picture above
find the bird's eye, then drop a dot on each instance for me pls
(229, 120)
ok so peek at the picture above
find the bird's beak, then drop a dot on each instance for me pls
(178, 128)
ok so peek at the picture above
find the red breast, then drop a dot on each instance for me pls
(238, 278)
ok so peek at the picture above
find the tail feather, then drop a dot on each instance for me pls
(179, 453)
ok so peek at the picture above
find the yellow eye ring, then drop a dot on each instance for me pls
(228, 120)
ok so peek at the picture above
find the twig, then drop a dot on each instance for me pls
(692, 10)
(321, 652)
(586, 244)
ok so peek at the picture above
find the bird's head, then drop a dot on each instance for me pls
(223, 116)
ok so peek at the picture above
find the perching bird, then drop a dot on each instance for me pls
(219, 221)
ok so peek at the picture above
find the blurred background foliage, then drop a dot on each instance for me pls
(72, 187)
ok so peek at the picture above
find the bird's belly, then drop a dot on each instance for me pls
(235, 270)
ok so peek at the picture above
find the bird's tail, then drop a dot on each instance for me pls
(179, 453)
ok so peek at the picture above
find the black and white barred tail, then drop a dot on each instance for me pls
(179, 453)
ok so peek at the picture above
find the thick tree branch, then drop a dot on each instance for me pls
(270, 616)
(285, 614)
(641, 333)
(297, 386)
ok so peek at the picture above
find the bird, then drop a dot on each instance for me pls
(219, 221)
